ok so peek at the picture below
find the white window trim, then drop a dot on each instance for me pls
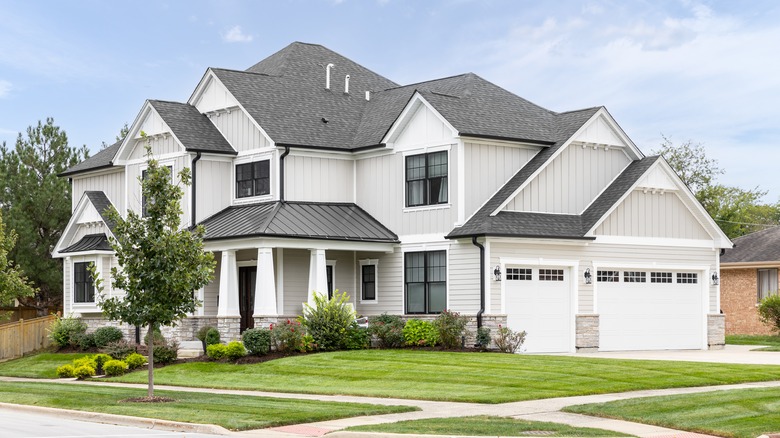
(272, 175)
(88, 305)
(375, 264)
(421, 151)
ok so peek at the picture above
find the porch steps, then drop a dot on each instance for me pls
(189, 349)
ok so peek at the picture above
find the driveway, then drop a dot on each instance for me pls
(730, 354)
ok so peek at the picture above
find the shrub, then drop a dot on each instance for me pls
(166, 352)
(420, 333)
(327, 320)
(388, 329)
(483, 338)
(216, 351)
(100, 361)
(63, 331)
(156, 335)
(135, 360)
(356, 338)
(287, 336)
(769, 311)
(119, 350)
(450, 327)
(85, 361)
(212, 336)
(65, 371)
(257, 341)
(115, 367)
(105, 335)
(85, 341)
(84, 371)
(508, 340)
(235, 351)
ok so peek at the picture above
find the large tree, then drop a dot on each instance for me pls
(160, 264)
(37, 205)
(13, 283)
(737, 211)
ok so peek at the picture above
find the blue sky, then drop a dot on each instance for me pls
(707, 71)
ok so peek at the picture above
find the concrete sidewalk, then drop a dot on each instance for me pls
(737, 354)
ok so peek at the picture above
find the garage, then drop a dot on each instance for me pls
(539, 301)
(649, 309)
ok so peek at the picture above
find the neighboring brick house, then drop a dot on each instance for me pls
(749, 273)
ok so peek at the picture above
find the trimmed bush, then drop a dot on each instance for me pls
(419, 333)
(388, 329)
(508, 340)
(63, 331)
(287, 336)
(115, 367)
(212, 336)
(216, 351)
(100, 361)
(483, 338)
(450, 328)
(235, 351)
(105, 335)
(257, 341)
(166, 352)
(356, 338)
(328, 320)
(83, 372)
(85, 361)
(769, 311)
(135, 360)
(203, 336)
(65, 371)
(85, 341)
(119, 350)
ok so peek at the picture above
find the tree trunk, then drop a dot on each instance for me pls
(150, 348)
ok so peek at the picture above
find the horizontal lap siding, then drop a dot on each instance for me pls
(211, 290)
(343, 272)
(296, 280)
(463, 288)
(318, 179)
(389, 287)
(112, 184)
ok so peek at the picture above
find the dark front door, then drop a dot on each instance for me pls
(247, 277)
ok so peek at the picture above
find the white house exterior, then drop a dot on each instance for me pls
(313, 173)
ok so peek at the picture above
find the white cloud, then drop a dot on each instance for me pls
(5, 88)
(236, 35)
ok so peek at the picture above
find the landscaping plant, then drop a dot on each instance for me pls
(208, 335)
(216, 351)
(356, 337)
(165, 352)
(257, 341)
(235, 350)
(115, 367)
(483, 338)
(388, 330)
(119, 350)
(328, 320)
(419, 333)
(135, 360)
(106, 335)
(288, 336)
(450, 328)
(85, 341)
(83, 372)
(100, 361)
(508, 340)
(769, 311)
(64, 331)
(65, 371)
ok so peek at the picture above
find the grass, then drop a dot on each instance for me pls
(465, 377)
(771, 343)
(230, 411)
(484, 426)
(737, 413)
(39, 366)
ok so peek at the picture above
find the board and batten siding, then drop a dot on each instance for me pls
(318, 179)
(214, 96)
(85, 229)
(488, 167)
(134, 185)
(600, 253)
(112, 184)
(645, 214)
(389, 283)
(215, 180)
(571, 181)
(161, 145)
(239, 130)
(423, 127)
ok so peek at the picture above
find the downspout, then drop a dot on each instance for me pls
(481, 280)
(281, 172)
(194, 187)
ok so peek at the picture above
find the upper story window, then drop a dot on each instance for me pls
(426, 179)
(143, 198)
(767, 283)
(253, 179)
(83, 289)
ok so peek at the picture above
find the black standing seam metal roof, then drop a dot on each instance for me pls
(310, 220)
(90, 242)
(761, 246)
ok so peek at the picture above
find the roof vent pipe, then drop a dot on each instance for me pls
(346, 84)
(327, 75)
(368, 95)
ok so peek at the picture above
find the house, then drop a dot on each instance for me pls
(748, 274)
(313, 173)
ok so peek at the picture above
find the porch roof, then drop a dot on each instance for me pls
(307, 220)
(90, 242)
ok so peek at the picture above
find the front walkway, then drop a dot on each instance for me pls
(537, 410)
(738, 354)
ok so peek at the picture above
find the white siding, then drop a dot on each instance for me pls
(463, 270)
(67, 279)
(652, 215)
(389, 284)
(423, 127)
(85, 229)
(239, 131)
(488, 167)
(343, 272)
(214, 187)
(296, 280)
(112, 184)
(160, 146)
(571, 181)
(318, 179)
(214, 97)
(211, 290)
(134, 185)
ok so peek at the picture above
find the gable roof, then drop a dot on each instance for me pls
(193, 129)
(102, 205)
(310, 220)
(101, 160)
(761, 246)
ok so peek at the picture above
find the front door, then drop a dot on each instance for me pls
(247, 277)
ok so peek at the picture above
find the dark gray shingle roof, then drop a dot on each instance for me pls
(193, 129)
(100, 160)
(90, 242)
(761, 246)
(311, 220)
(102, 205)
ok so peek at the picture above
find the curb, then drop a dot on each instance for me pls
(121, 420)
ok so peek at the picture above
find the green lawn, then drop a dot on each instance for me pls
(771, 343)
(229, 411)
(738, 413)
(39, 366)
(484, 426)
(468, 377)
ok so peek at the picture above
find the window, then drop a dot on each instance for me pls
(368, 282)
(83, 289)
(426, 179)
(687, 278)
(426, 281)
(634, 277)
(660, 277)
(608, 276)
(551, 275)
(253, 179)
(143, 198)
(518, 274)
(329, 278)
(767, 283)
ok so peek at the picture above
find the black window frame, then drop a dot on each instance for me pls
(83, 286)
(427, 282)
(428, 183)
(368, 282)
(259, 178)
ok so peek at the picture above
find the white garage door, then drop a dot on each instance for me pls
(649, 310)
(538, 300)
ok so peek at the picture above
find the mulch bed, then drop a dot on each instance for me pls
(154, 399)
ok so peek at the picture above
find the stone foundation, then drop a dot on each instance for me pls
(185, 330)
(716, 331)
(587, 333)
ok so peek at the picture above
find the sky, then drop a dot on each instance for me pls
(704, 71)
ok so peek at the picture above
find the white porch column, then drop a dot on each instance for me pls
(318, 276)
(265, 286)
(228, 285)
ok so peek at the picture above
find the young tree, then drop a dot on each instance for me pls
(37, 205)
(160, 265)
(13, 283)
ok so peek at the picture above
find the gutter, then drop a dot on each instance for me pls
(281, 172)
(194, 188)
(481, 280)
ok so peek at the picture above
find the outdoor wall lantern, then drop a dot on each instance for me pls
(497, 273)
(587, 276)
(715, 279)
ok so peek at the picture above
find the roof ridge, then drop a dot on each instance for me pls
(590, 108)
(425, 82)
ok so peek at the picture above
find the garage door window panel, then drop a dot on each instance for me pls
(660, 277)
(607, 276)
(551, 275)
(687, 278)
(426, 282)
(634, 277)
(519, 274)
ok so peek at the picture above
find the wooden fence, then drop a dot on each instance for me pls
(24, 336)
(13, 314)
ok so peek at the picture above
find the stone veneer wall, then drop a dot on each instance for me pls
(587, 333)
(738, 300)
(716, 331)
(185, 330)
